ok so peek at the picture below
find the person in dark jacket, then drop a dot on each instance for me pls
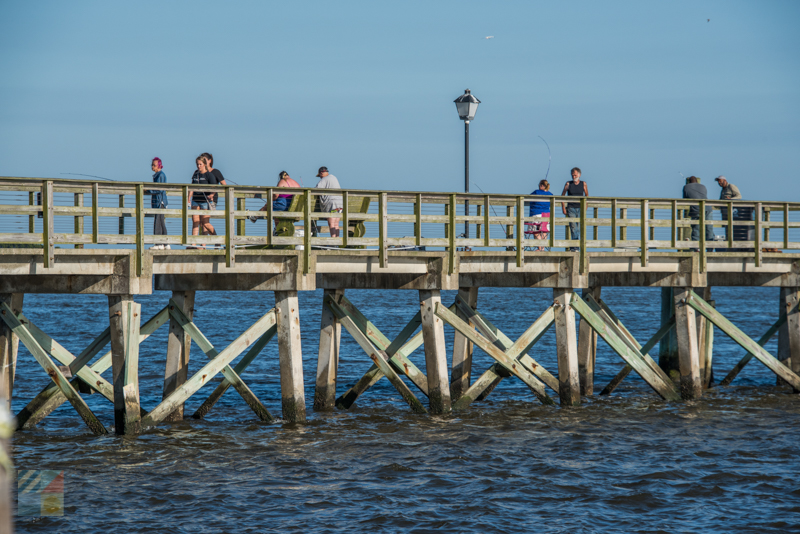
(574, 188)
(695, 190)
(158, 200)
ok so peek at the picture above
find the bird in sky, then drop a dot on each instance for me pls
(490, 36)
(708, 20)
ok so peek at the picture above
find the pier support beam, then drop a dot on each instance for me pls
(290, 354)
(784, 351)
(567, 348)
(330, 335)
(462, 349)
(668, 348)
(178, 345)
(9, 345)
(435, 351)
(702, 341)
(124, 317)
(587, 348)
(688, 350)
(791, 301)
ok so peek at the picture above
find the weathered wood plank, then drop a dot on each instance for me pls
(330, 334)
(587, 348)
(290, 356)
(567, 347)
(230, 375)
(210, 369)
(380, 359)
(240, 367)
(52, 370)
(630, 355)
(124, 326)
(763, 340)
(664, 330)
(9, 347)
(179, 343)
(514, 366)
(688, 348)
(743, 340)
(435, 352)
(462, 348)
(792, 304)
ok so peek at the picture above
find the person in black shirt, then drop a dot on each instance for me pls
(216, 172)
(574, 188)
(202, 200)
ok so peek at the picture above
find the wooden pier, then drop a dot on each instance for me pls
(56, 239)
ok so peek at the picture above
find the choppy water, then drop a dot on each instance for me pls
(629, 462)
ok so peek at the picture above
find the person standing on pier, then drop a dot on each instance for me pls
(729, 192)
(694, 189)
(330, 203)
(574, 188)
(158, 200)
(539, 209)
(203, 200)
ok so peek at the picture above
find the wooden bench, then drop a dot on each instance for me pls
(285, 227)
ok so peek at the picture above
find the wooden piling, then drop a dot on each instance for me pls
(791, 301)
(587, 348)
(462, 349)
(178, 347)
(124, 317)
(290, 355)
(567, 348)
(784, 350)
(9, 346)
(330, 335)
(435, 351)
(668, 348)
(6, 471)
(702, 323)
(688, 350)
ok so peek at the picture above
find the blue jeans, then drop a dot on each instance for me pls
(574, 228)
(280, 204)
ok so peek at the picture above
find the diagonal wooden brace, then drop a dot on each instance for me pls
(397, 351)
(246, 360)
(495, 374)
(512, 365)
(51, 397)
(608, 331)
(743, 340)
(663, 331)
(501, 341)
(210, 370)
(381, 360)
(747, 357)
(230, 375)
(51, 369)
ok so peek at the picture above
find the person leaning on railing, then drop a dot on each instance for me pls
(574, 188)
(158, 200)
(729, 192)
(695, 190)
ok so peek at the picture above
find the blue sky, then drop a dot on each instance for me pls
(634, 93)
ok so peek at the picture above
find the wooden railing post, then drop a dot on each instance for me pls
(240, 223)
(623, 229)
(478, 212)
(582, 236)
(451, 235)
(139, 228)
(487, 228)
(730, 224)
(383, 228)
(185, 215)
(418, 223)
(552, 221)
(643, 225)
(95, 212)
(786, 225)
(31, 217)
(757, 237)
(674, 225)
(306, 231)
(230, 195)
(520, 231)
(595, 227)
(47, 224)
(345, 225)
(613, 223)
(702, 236)
(79, 218)
(270, 220)
(122, 217)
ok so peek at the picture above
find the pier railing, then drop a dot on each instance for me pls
(49, 213)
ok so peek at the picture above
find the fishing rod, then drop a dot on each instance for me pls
(89, 175)
(493, 211)
(549, 157)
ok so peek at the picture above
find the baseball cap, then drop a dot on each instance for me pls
(321, 170)
(720, 177)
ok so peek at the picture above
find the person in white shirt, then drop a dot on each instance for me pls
(330, 203)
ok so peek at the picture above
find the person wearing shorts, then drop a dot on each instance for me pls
(540, 209)
(280, 201)
(330, 203)
(202, 200)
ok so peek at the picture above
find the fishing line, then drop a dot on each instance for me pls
(549, 157)
(89, 175)
(493, 211)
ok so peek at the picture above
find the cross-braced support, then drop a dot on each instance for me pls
(752, 347)
(511, 358)
(330, 335)
(688, 349)
(567, 347)
(612, 333)
(370, 338)
(435, 352)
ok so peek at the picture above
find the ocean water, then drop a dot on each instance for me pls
(628, 462)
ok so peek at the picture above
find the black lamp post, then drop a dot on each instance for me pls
(466, 105)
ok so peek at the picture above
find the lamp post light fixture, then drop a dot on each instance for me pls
(467, 106)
